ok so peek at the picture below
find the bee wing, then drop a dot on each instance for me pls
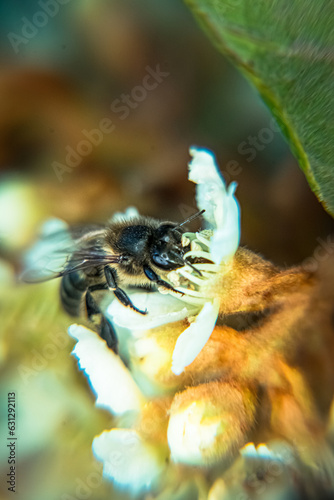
(64, 250)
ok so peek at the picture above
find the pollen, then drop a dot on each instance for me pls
(174, 278)
(185, 241)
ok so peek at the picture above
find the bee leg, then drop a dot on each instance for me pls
(106, 330)
(108, 334)
(118, 292)
(155, 278)
(91, 306)
(98, 286)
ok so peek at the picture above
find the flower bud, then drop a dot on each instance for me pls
(208, 423)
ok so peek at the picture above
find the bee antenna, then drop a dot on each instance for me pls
(192, 217)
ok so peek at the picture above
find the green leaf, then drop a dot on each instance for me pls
(286, 49)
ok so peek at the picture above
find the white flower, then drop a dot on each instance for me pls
(221, 207)
(189, 434)
(217, 245)
(222, 214)
(128, 460)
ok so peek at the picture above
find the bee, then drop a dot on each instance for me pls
(138, 252)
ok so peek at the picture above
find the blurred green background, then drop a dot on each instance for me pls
(60, 78)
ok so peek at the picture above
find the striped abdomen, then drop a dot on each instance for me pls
(72, 290)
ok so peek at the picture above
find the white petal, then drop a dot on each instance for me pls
(193, 339)
(249, 451)
(128, 460)
(222, 210)
(109, 379)
(210, 191)
(203, 168)
(276, 453)
(161, 309)
(226, 238)
(264, 452)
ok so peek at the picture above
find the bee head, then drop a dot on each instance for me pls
(166, 250)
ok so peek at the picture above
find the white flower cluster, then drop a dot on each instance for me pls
(128, 460)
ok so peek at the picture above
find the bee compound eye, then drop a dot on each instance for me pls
(160, 259)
